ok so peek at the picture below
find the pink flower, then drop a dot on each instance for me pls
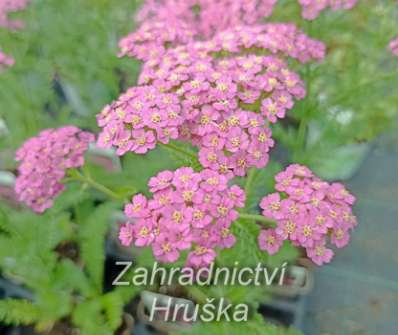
(238, 195)
(161, 181)
(164, 249)
(319, 254)
(269, 241)
(138, 208)
(201, 257)
(338, 192)
(271, 205)
(308, 234)
(340, 237)
(142, 141)
(227, 239)
(5, 61)
(272, 110)
(126, 234)
(394, 46)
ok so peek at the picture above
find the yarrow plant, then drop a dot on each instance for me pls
(44, 161)
(219, 95)
(309, 212)
(188, 211)
(217, 85)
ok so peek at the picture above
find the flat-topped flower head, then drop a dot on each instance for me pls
(169, 23)
(139, 119)
(44, 160)
(188, 211)
(309, 212)
(218, 96)
(312, 8)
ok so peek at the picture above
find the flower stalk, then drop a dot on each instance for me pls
(77, 176)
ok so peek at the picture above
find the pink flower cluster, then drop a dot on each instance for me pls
(5, 61)
(9, 6)
(6, 7)
(44, 160)
(394, 46)
(312, 8)
(139, 119)
(309, 212)
(277, 38)
(188, 211)
(219, 92)
(170, 23)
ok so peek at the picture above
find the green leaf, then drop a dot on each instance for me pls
(70, 277)
(92, 232)
(254, 326)
(17, 312)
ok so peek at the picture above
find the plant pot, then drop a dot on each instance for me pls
(287, 306)
(299, 280)
(10, 289)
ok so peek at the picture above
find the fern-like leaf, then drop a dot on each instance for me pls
(92, 242)
(18, 312)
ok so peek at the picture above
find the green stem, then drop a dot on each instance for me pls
(249, 181)
(302, 131)
(182, 151)
(257, 218)
(77, 176)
